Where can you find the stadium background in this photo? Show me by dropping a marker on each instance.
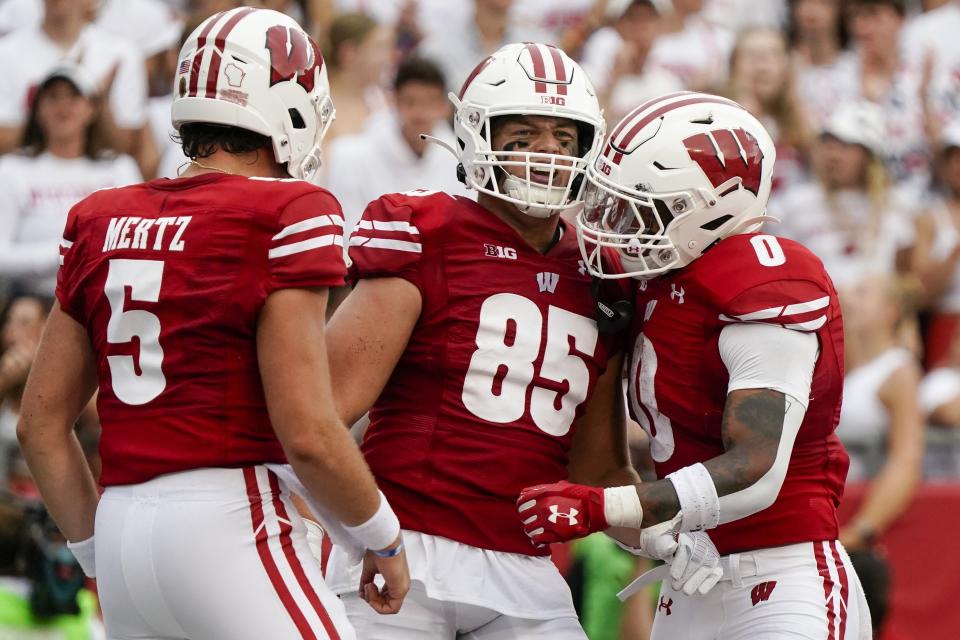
(861, 96)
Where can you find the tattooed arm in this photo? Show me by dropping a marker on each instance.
(759, 426)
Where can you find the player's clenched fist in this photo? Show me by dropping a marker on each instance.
(564, 511)
(561, 511)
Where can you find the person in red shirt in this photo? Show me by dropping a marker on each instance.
(195, 308)
(471, 336)
(736, 374)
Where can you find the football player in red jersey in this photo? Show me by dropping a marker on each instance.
(736, 374)
(196, 307)
(471, 337)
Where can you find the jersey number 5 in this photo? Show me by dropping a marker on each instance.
(506, 360)
(136, 379)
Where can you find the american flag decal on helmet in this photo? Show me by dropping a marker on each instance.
(549, 69)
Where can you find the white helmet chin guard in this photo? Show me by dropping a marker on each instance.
(256, 69)
(535, 80)
(677, 175)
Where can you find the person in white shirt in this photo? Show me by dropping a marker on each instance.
(826, 69)
(66, 34)
(616, 58)
(478, 34)
(881, 424)
(893, 82)
(390, 156)
(62, 161)
(691, 47)
(930, 38)
(848, 216)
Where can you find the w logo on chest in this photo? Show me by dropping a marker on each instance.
(547, 281)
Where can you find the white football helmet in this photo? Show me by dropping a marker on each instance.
(257, 69)
(526, 79)
(678, 174)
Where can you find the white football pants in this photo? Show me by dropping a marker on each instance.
(210, 554)
(422, 617)
(806, 591)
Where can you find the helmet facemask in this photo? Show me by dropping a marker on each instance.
(636, 224)
(546, 183)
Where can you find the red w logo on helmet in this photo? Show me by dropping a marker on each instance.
(292, 54)
(726, 154)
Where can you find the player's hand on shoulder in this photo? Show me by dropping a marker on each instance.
(391, 563)
(561, 511)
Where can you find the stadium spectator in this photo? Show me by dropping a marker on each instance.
(940, 390)
(393, 156)
(616, 58)
(930, 39)
(849, 216)
(881, 423)
(66, 33)
(358, 60)
(761, 79)
(22, 325)
(826, 70)
(936, 254)
(692, 48)
(895, 84)
(478, 34)
(63, 159)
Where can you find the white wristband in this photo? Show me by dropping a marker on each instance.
(381, 530)
(84, 552)
(622, 508)
(699, 502)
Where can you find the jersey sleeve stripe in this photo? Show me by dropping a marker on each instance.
(803, 307)
(66, 244)
(810, 325)
(309, 224)
(60, 260)
(383, 243)
(390, 225)
(762, 314)
(305, 245)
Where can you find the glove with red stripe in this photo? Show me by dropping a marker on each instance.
(561, 511)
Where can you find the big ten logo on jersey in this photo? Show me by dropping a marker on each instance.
(157, 234)
(493, 251)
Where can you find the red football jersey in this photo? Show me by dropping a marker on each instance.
(500, 362)
(678, 382)
(168, 278)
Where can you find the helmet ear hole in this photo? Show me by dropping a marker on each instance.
(296, 119)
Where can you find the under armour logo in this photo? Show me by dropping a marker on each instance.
(677, 294)
(582, 268)
(547, 281)
(642, 285)
(761, 592)
(665, 604)
(556, 514)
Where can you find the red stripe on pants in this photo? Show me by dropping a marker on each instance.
(827, 586)
(844, 587)
(263, 549)
(294, 561)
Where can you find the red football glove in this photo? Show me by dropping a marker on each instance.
(561, 511)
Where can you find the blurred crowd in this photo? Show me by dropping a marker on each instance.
(861, 96)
